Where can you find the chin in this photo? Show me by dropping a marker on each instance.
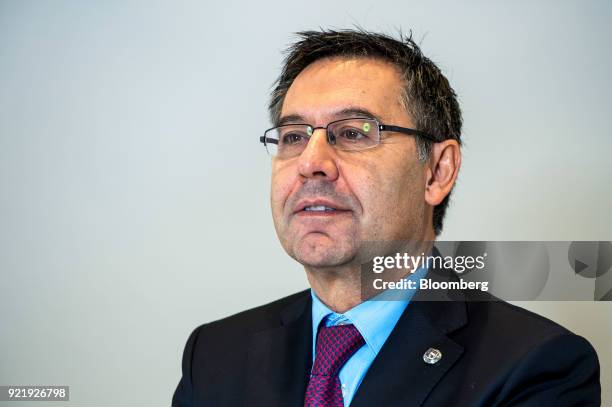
(328, 254)
(324, 261)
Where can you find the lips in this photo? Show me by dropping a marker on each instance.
(318, 206)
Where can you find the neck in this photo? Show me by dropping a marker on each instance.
(340, 287)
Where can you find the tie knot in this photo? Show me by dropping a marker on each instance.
(335, 345)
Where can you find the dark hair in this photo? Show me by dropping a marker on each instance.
(427, 95)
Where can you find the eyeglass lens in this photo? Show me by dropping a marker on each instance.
(349, 134)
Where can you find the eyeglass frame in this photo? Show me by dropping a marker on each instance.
(380, 126)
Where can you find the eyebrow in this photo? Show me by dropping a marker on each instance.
(340, 114)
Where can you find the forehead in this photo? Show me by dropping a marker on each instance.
(331, 85)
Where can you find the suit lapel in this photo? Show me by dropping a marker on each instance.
(399, 376)
(280, 359)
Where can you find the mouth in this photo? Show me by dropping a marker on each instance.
(319, 208)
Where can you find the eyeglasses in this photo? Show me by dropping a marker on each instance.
(353, 134)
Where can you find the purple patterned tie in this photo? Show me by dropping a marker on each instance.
(335, 345)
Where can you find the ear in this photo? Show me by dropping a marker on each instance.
(443, 167)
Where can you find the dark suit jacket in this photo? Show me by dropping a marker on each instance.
(493, 354)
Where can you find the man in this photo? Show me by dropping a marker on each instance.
(366, 148)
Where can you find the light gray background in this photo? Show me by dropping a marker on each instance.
(134, 193)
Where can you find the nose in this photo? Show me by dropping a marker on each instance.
(318, 160)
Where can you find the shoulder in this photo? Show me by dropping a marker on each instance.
(504, 323)
(253, 320)
(489, 312)
(537, 358)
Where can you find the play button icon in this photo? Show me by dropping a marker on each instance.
(590, 259)
(579, 266)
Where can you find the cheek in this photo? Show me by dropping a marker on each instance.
(280, 188)
(389, 192)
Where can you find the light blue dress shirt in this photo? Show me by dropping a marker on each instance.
(374, 319)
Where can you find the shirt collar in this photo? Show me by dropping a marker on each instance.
(374, 319)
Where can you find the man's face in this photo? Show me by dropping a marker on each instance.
(378, 193)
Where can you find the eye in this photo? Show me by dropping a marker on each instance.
(352, 134)
(292, 138)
